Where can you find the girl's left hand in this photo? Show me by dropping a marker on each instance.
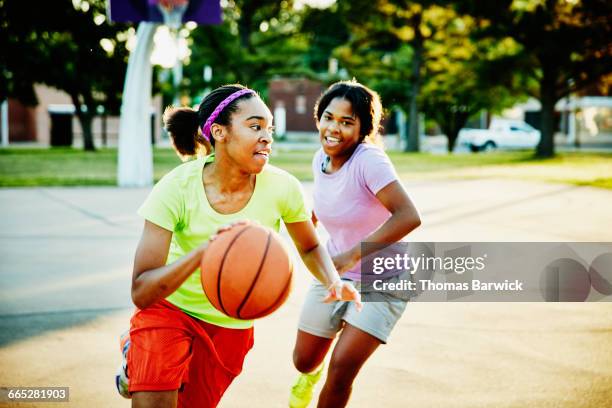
(340, 290)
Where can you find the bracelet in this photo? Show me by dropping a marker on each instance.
(334, 283)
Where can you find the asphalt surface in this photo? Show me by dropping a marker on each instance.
(65, 270)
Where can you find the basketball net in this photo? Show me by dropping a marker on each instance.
(173, 11)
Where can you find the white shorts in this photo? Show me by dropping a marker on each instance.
(325, 319)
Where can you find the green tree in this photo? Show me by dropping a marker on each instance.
(568, 44)
(68, 45)
(257, 40)
(461, 75)
(325, 30)
(392, 36)
(451, 77)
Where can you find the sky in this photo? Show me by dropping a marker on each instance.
(314, 3)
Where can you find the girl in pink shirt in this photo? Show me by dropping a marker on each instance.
(357, 197)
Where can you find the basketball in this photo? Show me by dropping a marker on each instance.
(246, 271)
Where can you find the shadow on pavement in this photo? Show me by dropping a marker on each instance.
(17, 327)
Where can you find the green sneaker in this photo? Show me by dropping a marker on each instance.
(301, 392)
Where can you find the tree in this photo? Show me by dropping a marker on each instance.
(395, 25)
(409, 41)
(68, 45)
(567, 42)
(451, 77)
(461, 75)
(325, 30)
(257, 40)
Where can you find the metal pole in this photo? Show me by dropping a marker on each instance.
(177, 75)
(135, 156)
(173, 18)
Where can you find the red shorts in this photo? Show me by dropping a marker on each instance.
(171, 350)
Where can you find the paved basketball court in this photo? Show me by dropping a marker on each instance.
(64, 298)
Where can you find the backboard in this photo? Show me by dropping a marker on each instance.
(135, 11)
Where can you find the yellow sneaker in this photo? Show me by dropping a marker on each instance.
(301, 392)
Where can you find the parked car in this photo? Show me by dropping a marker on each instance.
(502, 134)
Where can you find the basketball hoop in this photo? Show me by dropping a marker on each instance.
(172, 11)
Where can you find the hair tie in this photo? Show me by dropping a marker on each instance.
(213, 116)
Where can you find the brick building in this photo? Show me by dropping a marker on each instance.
(298, 97)
(33, 124)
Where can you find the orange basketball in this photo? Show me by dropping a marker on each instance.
(246, 271)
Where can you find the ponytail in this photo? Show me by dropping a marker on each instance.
(183, 125)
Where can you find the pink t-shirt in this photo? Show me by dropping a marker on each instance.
(345, 202)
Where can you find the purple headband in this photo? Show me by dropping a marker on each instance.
(219, 109)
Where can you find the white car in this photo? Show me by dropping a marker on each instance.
(502, 133)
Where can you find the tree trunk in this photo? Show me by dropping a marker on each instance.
(546, 147)
(244, 32)
(412, 142)
(451, 125)
(104, 133)
(451, 135)
(85, 119)
(86, 123)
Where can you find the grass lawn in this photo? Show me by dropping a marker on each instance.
(589, 169)
(584, 169)
(71, 167)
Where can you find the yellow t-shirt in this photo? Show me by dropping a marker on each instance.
(178, 203)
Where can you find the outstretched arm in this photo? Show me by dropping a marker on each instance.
(319, 263)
